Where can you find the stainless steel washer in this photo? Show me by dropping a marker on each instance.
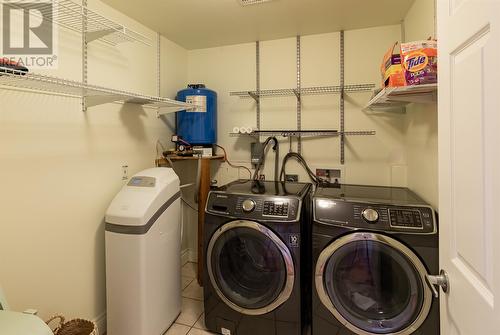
(373, 250)
(254, 241)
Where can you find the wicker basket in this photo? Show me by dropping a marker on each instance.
(74, 327)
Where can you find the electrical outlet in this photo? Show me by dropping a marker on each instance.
(332, 175)
(262, 177)
(292, 177)
(124, 172)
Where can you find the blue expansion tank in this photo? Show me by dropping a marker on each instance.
(198, 127)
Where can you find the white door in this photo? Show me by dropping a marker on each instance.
(469, 159)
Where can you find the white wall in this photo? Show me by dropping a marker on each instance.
(421, 122)
(62, 167)
(378, 160)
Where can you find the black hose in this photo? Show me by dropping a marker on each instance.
(303, 163)
(276, 149)
(263, 157)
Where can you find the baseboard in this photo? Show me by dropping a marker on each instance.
(101, 323)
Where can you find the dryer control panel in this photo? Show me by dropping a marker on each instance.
(254, 207)
(410, 219)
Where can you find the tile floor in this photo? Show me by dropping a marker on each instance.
(191, 320)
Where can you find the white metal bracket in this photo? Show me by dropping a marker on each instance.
(95, 35)
(84, 52)
(169, 110)
(92, 101)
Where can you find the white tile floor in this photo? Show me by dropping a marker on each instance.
(191, 320)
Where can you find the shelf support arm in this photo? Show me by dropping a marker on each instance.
(169, 110)
(95, 35)
(297, 94)
(254, 96)
(91, 101)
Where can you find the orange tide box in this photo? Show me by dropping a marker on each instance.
(391, 69)
(420, 62)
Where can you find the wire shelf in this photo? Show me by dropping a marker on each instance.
(304, 133)
(94, 95)
(318, 90)
(70, 15)
(398, 97)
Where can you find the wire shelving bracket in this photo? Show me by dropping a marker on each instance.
(298, 93)
(69, 14)
(393, 98)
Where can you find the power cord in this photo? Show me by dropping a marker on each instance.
(276, 149)
(233, 165)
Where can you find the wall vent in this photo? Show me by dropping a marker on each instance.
(252, 2)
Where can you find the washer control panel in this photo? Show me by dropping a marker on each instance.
(254, 207)
(412, 219)
(406, 218)
(275, 208)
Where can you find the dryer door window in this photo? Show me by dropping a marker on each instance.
(250, 268)
(375, 284)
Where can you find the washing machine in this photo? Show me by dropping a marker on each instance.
(375, 250)
(255, 232)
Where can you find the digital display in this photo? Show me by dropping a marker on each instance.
(275, 208)
(405, 218)
(142, 182)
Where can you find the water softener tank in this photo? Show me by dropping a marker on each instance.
(198, 126)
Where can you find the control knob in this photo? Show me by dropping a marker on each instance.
(248, 205)
(370, 215)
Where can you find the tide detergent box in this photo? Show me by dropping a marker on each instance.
(420, 62)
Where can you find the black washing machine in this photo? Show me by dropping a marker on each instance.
(374, 249)
(254, 235)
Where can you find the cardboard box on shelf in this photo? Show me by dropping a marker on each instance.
(420, 62)
(392, 69)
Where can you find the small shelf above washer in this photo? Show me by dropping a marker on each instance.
(318, 90)
(398, 97)
(303, 133)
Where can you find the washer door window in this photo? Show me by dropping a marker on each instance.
(250, 267)
(373, 284)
